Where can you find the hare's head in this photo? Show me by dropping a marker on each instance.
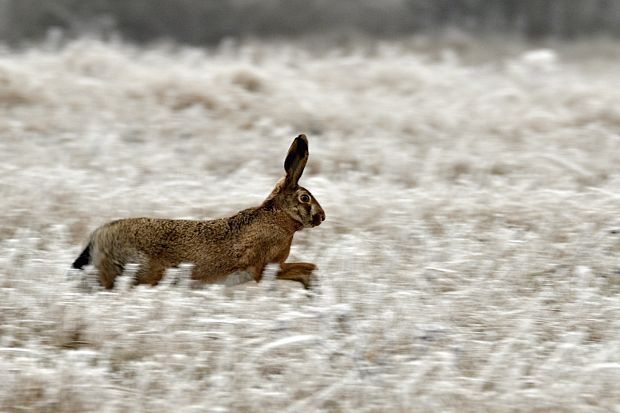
(297, 201)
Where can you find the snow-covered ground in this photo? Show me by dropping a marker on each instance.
(469, 260)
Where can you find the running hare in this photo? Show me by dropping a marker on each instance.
(247, 241)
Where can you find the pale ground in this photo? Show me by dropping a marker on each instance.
(469, 261)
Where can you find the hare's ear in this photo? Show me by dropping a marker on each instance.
(295, 161)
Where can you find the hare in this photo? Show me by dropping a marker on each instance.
(246, 241)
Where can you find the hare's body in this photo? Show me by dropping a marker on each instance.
(246, 241)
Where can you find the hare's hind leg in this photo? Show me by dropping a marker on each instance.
(150, 272)
(296, 271)
(107, 270)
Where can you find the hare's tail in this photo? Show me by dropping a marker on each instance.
(83, 259)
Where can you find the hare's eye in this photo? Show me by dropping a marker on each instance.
(305, 198)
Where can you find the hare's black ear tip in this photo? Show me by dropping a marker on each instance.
(302, 142)
(302, 137)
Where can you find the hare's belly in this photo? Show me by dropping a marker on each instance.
(236, 278)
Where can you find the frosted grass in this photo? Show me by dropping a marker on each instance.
(469, 260)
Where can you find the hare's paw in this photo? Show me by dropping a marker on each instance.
(305, 266)
(297, 271)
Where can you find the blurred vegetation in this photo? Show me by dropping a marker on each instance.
(209, 21)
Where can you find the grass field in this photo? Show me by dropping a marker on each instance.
(468, 263)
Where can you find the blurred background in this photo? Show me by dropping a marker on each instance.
(201, 22)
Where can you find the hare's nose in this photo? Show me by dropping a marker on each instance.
(322, 215)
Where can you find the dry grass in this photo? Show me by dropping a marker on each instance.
(469, 261)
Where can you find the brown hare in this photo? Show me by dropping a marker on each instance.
(246, 241)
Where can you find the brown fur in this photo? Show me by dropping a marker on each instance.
(246, 241)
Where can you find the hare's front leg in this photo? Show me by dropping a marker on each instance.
(296, 271)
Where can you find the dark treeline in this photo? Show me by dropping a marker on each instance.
(208, 21)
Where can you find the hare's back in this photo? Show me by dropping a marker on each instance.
(158, 236)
